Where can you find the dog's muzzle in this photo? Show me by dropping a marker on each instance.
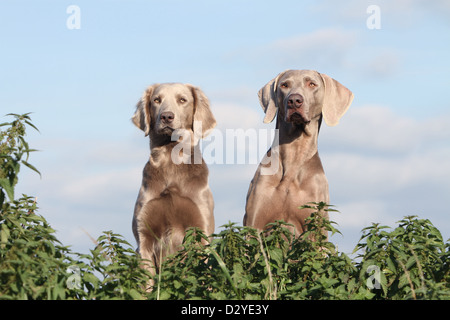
(295, 110)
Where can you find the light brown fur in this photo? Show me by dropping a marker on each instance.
(299, 99)
(174, 194)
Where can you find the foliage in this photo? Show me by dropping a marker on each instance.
(12, 149)
(408, 262)
(413, 258)
(411, 262)
(31, 258)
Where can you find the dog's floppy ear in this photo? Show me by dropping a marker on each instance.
(336, 100)
(204, 120)
(267, 99)
(142, 117)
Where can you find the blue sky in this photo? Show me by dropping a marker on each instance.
(388, 157)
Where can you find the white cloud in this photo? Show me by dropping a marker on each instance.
(361, 214)
(333, 50)
(382, 166)
(96, 188)
(408, 12)
(86, 185)
(374, 128)
(320, 49)
(382, 145)
(385, 63)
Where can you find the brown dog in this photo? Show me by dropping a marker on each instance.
(300, 99)
(174, 194)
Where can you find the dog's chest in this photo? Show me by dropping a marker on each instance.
(295, 188)
(179, 178)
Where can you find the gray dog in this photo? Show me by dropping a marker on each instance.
(299, 99)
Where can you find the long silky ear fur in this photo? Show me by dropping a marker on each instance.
(142, 116)
(204, 120)
(336, 101)
(267, 99)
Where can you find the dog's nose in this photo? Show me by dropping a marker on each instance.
(167, 117)
(295, 100)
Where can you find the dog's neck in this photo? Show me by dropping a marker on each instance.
(297, 144)
(164, 151)
(160, 140)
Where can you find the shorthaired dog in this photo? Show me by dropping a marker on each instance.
(299, 99)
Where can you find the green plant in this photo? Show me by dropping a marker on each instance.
(112, 270)
(411, 262)
(32, 261)
(12, 149)
(413, 259)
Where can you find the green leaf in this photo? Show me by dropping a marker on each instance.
(4, 235)
(136, 295)
(89, 277)
(391, 264)
(403, 281)
(277, 255)
(164, 295)
(32, 125)
(411, 261)
(224, 270)
(58, 292)
(6, 185)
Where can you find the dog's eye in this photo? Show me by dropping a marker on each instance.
(157, 100)
(183, 100)
(284, 85)
(312, 84)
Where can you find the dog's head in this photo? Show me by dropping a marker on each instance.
(299, 96)
(167, 107)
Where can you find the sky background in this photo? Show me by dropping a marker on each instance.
(387, 158)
